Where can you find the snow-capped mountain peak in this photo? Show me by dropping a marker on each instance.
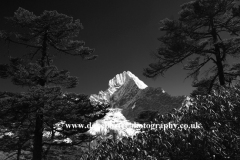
(123, 78)
(139, 83)
(131, 97)
(115, 84)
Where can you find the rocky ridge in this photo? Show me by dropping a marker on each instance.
(124, 80)
(133, 96)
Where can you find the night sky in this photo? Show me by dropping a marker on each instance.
(122, 32)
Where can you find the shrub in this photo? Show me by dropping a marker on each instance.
(218, 138)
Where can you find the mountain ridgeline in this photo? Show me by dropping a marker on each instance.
(137, 101)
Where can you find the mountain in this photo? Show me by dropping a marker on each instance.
(134, 97)
(130, 100)
(120, 85)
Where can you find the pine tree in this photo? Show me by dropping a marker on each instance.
(198, 35)
(44, 104)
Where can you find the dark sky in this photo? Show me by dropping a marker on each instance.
(122, 32)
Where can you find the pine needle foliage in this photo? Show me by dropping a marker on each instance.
(28, 115)
(198, 36)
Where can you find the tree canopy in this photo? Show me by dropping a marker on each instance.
(28, 115)
(199, 36)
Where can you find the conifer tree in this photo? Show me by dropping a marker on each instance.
(198, 35)
(29, 114)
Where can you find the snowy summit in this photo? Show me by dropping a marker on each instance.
(115, 84)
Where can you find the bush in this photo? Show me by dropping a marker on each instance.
(218, 138)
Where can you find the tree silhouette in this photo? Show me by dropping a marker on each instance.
(44, 104)
(198, 35)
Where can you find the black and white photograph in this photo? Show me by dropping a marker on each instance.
(120, 80)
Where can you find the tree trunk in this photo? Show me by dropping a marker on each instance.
(218, 55)
(219, 66)
(38, 133)
(19, 151)
(37, 148)
(220, 72)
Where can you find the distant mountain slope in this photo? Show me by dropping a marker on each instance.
(133, 96)
(151, 99)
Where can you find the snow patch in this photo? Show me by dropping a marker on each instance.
(138, 82)
(114, 84)
(114, 120)
(134, 106)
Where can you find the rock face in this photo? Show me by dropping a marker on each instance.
(122, 83)
(151, 99)
(133, 96)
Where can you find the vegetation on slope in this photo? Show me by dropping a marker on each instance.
(218, 138)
